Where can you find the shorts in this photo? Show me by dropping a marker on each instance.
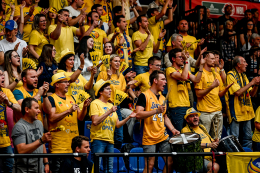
(162, 147)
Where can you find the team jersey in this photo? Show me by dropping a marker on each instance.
(61, 141)
(154, 130)
(4, 133)
(106, 129)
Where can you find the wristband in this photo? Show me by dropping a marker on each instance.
(159, 39)
(80, 69)
(221, 69)
(186, 62)
(201, 71)
(173, 129)
(41, 141)
(11, 105)
(16, 80)
(44, 96)
(46, 163)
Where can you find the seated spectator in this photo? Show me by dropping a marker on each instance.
(11, 41)
(12, 71)
(253, 63)
(102, 134)
(151, 110)
(207, 143)
(79, 144)
(48, 64)
(226, 16)
(253, 41)
(29, 138)
(7, 100)
(156, 25)
(144, 40)
(64, 109)
(242, 24)
(248, 30)
(29, 89)
(37, 38)
(30, 12)
(61, 35)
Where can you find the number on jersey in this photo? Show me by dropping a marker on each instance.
(159, 116)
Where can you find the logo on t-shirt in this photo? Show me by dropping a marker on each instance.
(76, 170)
(60, 103)
(94, 34)
(107, 109)
(35, 134)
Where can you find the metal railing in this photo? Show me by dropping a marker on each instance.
(138, 155)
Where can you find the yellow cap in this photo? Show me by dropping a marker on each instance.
(191, 111)
(64, 53)
(99, 84)
(57, 77)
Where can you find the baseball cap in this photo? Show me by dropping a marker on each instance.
(11, 25)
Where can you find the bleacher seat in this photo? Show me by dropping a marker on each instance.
(133, 160)
(119, 163)
(87, 129)
(247, 149)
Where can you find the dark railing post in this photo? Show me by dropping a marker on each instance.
(217, 35)
(238, 43)
(96, 161)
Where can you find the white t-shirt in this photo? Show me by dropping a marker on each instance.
(73, 13)
(6, 45)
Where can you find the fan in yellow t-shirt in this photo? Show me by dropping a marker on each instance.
(58, 4)
(99, 36)
(256, 135)
(207, 143)
(104, 121)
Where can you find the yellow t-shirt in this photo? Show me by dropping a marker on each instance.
(98, 35)
(4, 133)
(143, 81)
(116, 83)
(211, 102)
(204, 137)
(58, 4)
(179, 96)
(26, 94)
(237, 111)
(141, 58)
(61, 141)
(27, 24)
(187, 39)
(256, 135)
(124, 46)
(39, 40)
(154, 130)
(65, 40)
(11, 2)
(155, 27)
(88, 4)
(105, 130)
(113, 28)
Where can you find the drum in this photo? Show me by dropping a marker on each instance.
(230, 144)
(187, 142)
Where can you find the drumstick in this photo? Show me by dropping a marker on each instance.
(99, 64)
(167, 96)
(217, 131)
(214, 129)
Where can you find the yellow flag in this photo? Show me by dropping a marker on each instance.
(243, 162)
(106, 61)
(95, 57)
(28, 63)
(81, 98)
(123, 66)
(53, 10)
(119, 96)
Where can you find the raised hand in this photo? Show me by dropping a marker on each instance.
(121, 41)
(73, 108)
(87, 102)
(82, 59)
(162, 33)
(25, 51)
(221, 65)
(161, 109)
(201, 42)
(39, 71)
(46, 137)
(215, 83)
(16, 46)
(113, 109)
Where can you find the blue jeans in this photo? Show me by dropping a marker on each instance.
(141, 69)
(118, 135)
(176, 116)
(8, 162)
(256, 146)
(242, 131)
(98, 146)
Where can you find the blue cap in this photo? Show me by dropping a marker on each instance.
(11, 25)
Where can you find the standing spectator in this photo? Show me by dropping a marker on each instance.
(179, 78)
(7, 99)
(61, 35)
(48, 64)
(226, 16)
(99, 36)
(79, 144)
(241, 109)
(102, 24)
(242, 24)
(29, 12)
(248, 30)
(104, 121)
(156, 24)
(208, 91)
(109, 48)
(144, 40)
(29, 138)
(122, 41)
(64, 109)
(75, 14)
(37, 38)
(156, 4)
(5, 16)
(59, 4)
(151, 110)
(11, 40)
(51, 17)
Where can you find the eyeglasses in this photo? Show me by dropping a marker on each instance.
(16, 56)
(54, 50)
(63, 82)
(43, 21)
(250, 24)
(4, 3)
(179, 57)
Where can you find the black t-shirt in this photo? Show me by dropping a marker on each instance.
(71, 165)
(222, 19)
(142, 100)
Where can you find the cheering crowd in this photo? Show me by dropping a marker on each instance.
(104, 62)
